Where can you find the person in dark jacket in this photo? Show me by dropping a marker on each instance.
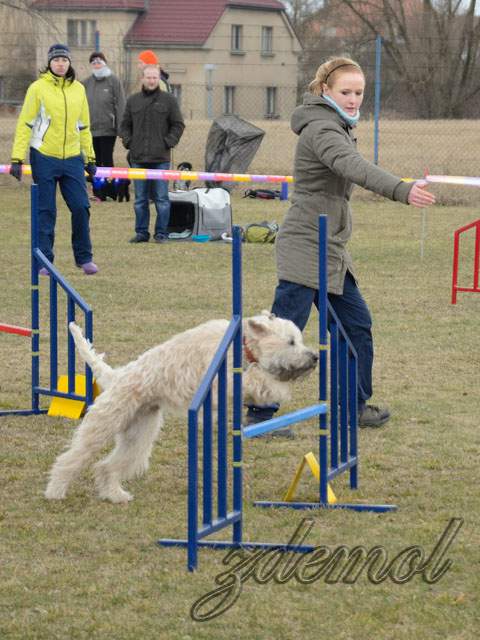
(106, 101)
(327, 165)
(152, 125)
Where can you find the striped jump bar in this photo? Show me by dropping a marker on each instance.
(170, 174)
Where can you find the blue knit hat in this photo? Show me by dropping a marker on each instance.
(59, 51)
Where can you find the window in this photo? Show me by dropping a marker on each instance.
(81, 33)
(271, 106)
(2, 88)
(229, 106)
(267, 40)
(236, 43)
(177, 92)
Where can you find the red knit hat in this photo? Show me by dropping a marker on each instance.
(148, 57)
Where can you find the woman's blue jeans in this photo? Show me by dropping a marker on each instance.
(294, 302)
(70, 175)
(157, 190)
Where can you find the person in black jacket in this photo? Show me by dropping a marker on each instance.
(152, 124)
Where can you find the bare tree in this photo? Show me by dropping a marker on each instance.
(431, 49)
(20, 24)
(298, 10)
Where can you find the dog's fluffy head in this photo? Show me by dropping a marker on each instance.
(277, 345)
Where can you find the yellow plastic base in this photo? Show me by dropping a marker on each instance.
(66, 408)
(310, 461)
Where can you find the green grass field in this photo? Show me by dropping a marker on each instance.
(85, 569)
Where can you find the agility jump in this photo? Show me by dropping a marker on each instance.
(74, 301)
(337, 442)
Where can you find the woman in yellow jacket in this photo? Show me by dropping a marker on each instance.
(55, 125)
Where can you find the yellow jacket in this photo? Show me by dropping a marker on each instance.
(54, 120)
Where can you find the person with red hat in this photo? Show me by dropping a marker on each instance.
(149, 58)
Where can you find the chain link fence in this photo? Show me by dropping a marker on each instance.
(406, 147)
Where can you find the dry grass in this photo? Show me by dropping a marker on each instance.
(82, 569)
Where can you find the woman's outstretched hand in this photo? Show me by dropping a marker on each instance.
(419, 196)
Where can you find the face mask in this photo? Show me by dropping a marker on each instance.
(350, 120)
(103, 72)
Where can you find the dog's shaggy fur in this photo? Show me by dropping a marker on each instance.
(164, 379)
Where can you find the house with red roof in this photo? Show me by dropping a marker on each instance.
(222, 56)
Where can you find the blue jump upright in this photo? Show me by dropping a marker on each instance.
(74, 301)
(338, 451)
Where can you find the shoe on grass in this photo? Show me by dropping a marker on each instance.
(160, 239)
(138, 237)
(373, 416)
(89, 268)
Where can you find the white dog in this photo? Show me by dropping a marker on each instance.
(164, 379)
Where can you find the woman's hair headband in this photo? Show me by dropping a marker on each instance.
(344, 64)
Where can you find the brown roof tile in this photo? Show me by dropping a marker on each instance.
(187, 22)
(126, 5)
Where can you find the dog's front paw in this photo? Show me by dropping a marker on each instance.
(119, 496)
(55, 491)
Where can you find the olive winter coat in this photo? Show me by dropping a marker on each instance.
(327, 165)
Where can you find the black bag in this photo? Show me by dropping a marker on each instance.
(264, 194)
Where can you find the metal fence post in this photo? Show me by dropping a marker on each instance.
(378, 89)
(209, 86)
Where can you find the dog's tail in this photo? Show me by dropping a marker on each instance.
(102, 372)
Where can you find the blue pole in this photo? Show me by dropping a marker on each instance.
(222, 475)
(323, 346)
(53, 334)
(207, 459)
(378, 88)
(284, 191)
(237, 382)
(353, 412)
(192, 503)
(35, 299)
(334, 394)
(71, 346)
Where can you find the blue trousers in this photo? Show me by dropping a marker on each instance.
(157, 190)
(47, 172)
(294, 302)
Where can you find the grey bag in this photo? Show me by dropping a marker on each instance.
(200, 212)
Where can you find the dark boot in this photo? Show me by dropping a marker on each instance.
(260, 413)
(372, 416)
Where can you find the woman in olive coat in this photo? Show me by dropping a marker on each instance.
(327, 165)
